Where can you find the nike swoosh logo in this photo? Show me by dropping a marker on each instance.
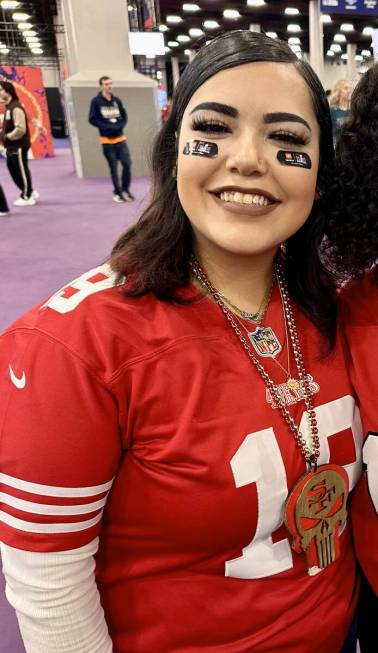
(19, 382)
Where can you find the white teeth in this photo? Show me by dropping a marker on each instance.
(244, 198)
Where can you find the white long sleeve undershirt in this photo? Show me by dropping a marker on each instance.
(56, 600)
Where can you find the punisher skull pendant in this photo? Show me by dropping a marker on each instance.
(315, 514)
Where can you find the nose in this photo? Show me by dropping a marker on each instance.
(247, 157)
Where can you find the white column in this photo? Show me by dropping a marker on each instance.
(316, 37)
(97, 44)
(351, 62)
(255, 27)
(175, 71)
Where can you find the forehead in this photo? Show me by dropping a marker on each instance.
(258, 87)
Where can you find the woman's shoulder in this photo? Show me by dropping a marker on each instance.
(359, 300)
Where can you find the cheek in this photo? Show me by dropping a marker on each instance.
(299, 183)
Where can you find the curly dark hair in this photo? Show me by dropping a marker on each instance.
(156, 251)
(352, 199)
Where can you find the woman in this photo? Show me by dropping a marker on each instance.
(339, 102)
(16, 140)
(199, 391)
(353, 239)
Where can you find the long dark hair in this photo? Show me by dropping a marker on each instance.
(157, 249)
(10, 89)
(353, 196)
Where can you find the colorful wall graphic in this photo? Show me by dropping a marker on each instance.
(28, 83)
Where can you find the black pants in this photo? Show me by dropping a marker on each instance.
(17, 162)
(114, 153)
(4, 208)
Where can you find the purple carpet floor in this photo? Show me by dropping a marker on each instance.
(70, 230)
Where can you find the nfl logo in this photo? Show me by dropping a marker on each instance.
(265, 342)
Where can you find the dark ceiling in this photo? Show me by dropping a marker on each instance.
(41, 14)
(271, 17)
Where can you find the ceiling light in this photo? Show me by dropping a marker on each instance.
(3, 46)
(326, 18)
(23, 26)
(347, 27)
(294, 40)
(367, 31)
(255, 3)
(291, 11)
(211, 24)
(174, 20)
(34, 45)
(359, 57)
(4, 50)
(173, 44)
(272, 35)
(36, 50)
(296, 48)
(167, 49)
(9, 4)
(163, 28)
(344, 56)
(130, 8)
(189, 6)
(339, 38)
(366, 53)
(32, 39)
(293, 27)
(209, 41)
(194, 32)
(20, 16)
(335, 47)
(330, 53)
(188, 52)
(29, 32)
(183, 38)
(231, 13)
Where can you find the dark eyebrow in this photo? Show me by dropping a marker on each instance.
(217, 106)
(285, 117)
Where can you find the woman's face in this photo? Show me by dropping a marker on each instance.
(345, 92)
(259, 187)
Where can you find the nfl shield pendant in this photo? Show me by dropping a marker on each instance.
(265, 342)
(315, 514)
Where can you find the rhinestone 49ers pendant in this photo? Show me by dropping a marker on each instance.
(315, 514)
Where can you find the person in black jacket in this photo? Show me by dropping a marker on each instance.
(108, 114)
(16, 140)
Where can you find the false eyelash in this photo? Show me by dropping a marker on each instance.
(209, 126)
(289, 137)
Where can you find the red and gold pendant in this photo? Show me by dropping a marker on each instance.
(315, 514)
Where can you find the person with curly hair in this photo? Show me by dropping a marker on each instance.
(179, 433)
(353, 247)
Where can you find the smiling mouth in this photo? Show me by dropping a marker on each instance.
(243, 198)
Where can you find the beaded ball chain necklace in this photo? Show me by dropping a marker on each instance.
(325, 487)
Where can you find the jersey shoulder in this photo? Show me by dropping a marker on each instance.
(359, 301)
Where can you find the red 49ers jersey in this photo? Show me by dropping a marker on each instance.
(145, 423)
(360, 317)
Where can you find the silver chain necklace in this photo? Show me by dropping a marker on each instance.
(310, 454)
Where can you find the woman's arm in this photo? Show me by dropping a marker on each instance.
(56, 600)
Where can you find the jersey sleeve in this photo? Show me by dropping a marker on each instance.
(60, 444)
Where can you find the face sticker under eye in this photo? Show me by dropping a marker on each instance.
(297, 159)
(201, 148)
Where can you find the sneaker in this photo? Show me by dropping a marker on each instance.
(35, 195)
(2, 213)
(128, 196)
(118, 198)
(24, 202)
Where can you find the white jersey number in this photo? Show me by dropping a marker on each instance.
(69, 297)
(258, 460)
(370, 458)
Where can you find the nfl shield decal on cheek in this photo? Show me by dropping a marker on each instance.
(296, 159)
(201, 148)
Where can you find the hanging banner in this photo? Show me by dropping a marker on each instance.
(28, 83)
(351, 7)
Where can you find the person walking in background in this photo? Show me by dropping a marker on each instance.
(339, 102)
(108, 114)
(16, 140)
(4, 208)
